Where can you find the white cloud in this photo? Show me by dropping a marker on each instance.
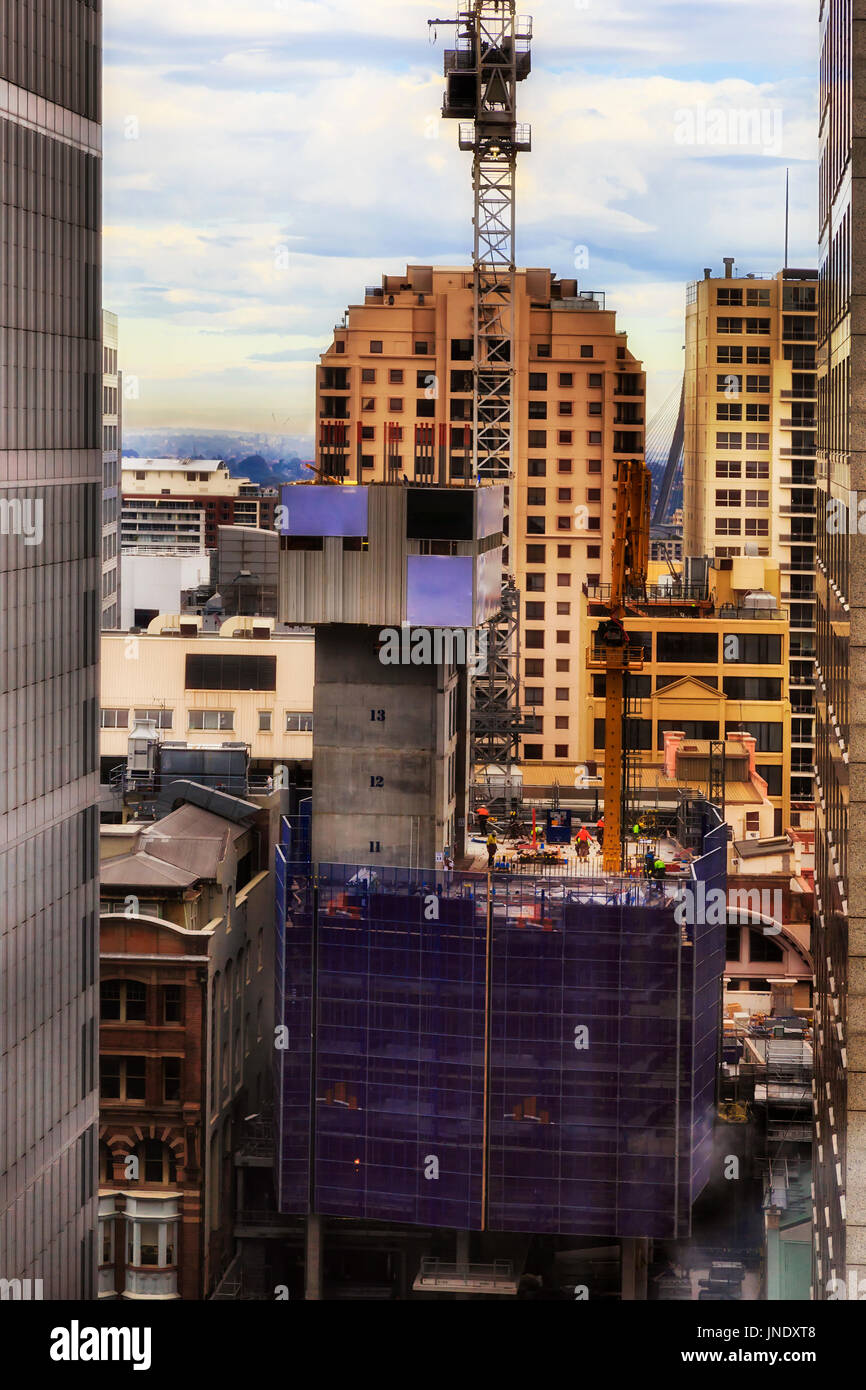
(283, 161)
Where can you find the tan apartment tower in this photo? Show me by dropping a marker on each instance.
(394, 400)
(749, 456)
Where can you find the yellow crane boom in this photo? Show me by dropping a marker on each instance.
(611, 652)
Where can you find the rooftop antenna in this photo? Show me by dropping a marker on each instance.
(787, 175)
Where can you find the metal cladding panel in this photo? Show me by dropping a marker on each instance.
(440, 591)
(591, 1036)
(400, 1050)
(316, 509)
(339, 585)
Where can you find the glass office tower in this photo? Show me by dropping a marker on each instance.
(50, 494)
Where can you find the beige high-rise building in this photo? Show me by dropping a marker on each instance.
(394, 399)
(749, 455)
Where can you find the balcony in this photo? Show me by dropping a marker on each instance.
(799, 395)
(151, 1282)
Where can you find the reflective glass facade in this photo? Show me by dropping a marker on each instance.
(539, 1058)
(838, 938)
(50, 493)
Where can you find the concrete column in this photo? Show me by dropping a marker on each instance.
(635, 1262)
(462, 1258)
(313, 1266)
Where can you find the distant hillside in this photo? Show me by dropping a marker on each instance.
(264, 459)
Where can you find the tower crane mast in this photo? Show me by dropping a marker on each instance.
(490, 56)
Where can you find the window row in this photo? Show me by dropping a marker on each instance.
(209, 720)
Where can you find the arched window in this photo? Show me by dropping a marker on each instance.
(123, 1001)
(158, 1163)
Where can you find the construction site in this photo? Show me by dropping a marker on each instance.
(505, 1062)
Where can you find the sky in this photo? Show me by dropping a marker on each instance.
(266, 160)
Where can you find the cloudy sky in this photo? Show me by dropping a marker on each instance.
(265, 160)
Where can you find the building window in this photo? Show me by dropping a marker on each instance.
(151, 1245)
(563, 465)
(752, 688)
(122, 1078)
(422, 349)
(376, 345)
(265, 721)
(368, 375)
(586, 350)
(533, 752)
(162, 718)
(564, 437)
(538, 381)
(299, 723)
(123, 1001)
(114, 719)
(395, 376)
(212, 720)
(680, 647)
(171, 1078)
(171, 1004)
(566, 378)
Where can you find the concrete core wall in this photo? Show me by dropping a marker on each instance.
(370, 722)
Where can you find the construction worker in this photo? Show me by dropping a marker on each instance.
(600, 831)
(491, 849)
(483, 818)
(660, 869)
(581, 840)
(649, 862)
